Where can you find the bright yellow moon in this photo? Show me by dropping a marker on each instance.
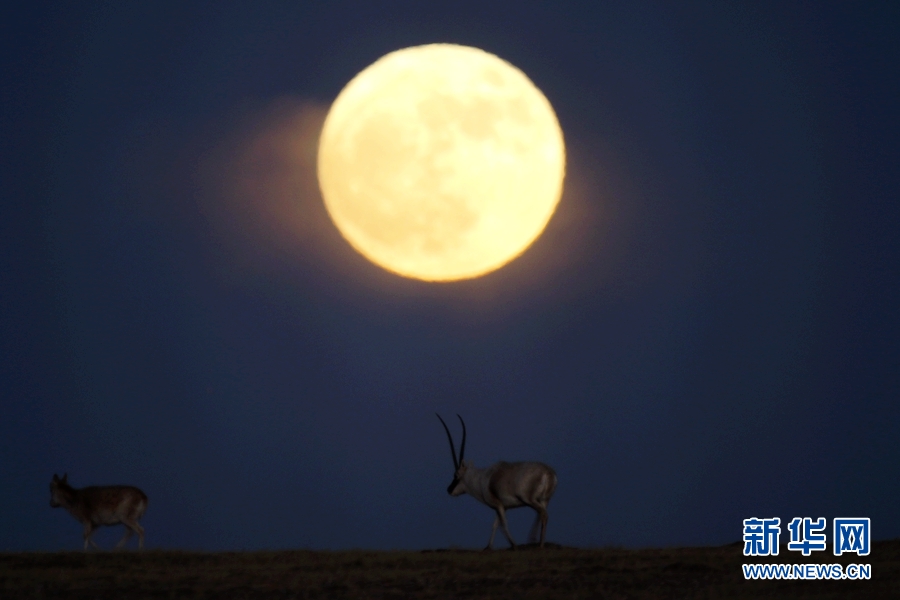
(441, 162)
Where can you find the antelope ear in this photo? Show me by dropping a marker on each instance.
(65, 477)
(55, 478)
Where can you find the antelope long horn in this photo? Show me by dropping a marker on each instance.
(450, 437)
(462, 447)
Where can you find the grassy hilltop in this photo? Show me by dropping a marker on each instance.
(554, 572)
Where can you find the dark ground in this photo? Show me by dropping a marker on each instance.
(554, 572)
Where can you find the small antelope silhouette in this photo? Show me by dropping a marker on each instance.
(101, 505)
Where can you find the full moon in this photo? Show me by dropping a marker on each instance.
(441, 162)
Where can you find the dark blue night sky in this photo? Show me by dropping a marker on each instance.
(707, 331)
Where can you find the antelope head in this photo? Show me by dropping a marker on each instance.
(56, 495)
(456, 487)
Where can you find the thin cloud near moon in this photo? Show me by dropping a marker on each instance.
(258, 188)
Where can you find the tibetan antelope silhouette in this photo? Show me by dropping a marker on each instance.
(101, 505)
(503, 486)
